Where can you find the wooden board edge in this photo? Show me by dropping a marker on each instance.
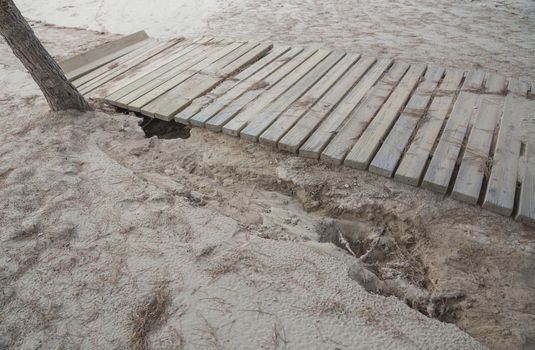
(78, 61)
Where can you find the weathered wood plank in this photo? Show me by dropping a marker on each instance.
(287, 120)
(388, 156)
(240, 120)
(361, 154)
(239, 59)
(346, 134)
(283, 68)
(116, 65)
(217, 112)
(320, 137)
(179, 97)
(440, 170)
(386, 159)
(451, 81)
(518, 87)
(140, 47)
(340, 100)
(106, 77)
(141, 69)
(412, 166)
(476, 162)
(263, 120)
(500, 194)
(474, 80)
(152, 80)
(495, 84)
(79, 65)
(168, 84)
(526, 207)
(391, 150)
(202, 102)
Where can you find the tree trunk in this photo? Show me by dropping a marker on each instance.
(58, 90)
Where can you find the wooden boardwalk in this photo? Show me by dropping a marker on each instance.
(469, 134)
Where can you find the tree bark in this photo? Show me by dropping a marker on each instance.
(58, 90)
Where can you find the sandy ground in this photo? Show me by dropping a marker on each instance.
(109, 238)
(233, 246)
(497, 35)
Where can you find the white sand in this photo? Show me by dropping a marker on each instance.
(162, 18)
(494, 34)
(94, 216)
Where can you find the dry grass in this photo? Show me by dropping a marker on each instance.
(328, 306)
(210, 333)
(278, 337)
(146, 316)
(233, 260)
(205, 251)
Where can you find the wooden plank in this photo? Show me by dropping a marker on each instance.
(340, 100)
(526, 207)
(234, 126)
(178, 98)
(500, 194)
(226, 107)
(142, 47)
(330, 123)
(432, 77)
(118, 68)
(475, 164)
(451, 81)
(495, 84)
(440, 170)
(388, 156)
(263, 120)
(106, 77)
(200, 103)
(79, 65)
(518, 87)
(412, 166)
(345, 134)
(239, 60)
(142, 69)
(476, 158)
(152, 80)
(326, 94)
(130, 86)
(361, 154)
(474, 80)
(168, 84)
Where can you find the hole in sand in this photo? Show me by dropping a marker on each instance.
(387, 262)
(162, 129)
(159, 128)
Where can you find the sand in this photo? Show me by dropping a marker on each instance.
(494, 34)
(219, 243)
